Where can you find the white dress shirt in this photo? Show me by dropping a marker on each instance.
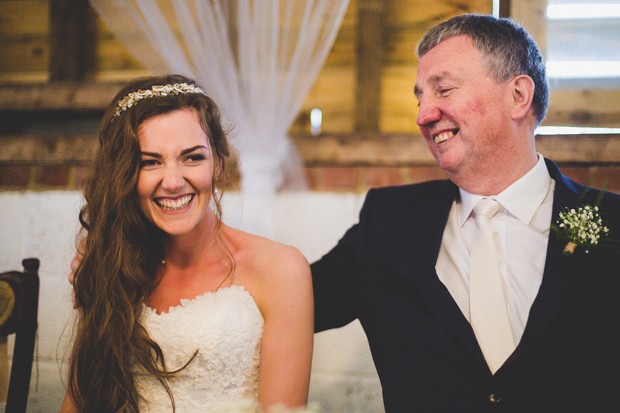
(521, 234)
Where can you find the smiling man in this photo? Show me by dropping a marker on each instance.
(475, 125)
(466, 296)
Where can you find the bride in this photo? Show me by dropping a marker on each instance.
(176, 310)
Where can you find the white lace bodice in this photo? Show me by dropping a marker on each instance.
(226, 327)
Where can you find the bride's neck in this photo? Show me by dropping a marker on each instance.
(188, 249)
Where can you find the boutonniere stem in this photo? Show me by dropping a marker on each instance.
(569, 249)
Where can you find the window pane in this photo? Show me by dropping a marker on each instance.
(583, 52)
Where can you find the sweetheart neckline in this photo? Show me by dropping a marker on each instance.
(187, 301)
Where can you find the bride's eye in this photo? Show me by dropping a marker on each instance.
(148, 162)
(197, 157)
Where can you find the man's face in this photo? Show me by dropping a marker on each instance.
(464, 114)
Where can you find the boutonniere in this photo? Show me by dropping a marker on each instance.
(581, 227)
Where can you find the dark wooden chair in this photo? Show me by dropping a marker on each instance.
(19, 301)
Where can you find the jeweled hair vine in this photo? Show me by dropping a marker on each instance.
(156, 90)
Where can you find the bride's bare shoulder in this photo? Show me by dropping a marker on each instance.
(277, 275)
(262, 256)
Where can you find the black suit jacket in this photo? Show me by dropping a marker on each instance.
(427, 357)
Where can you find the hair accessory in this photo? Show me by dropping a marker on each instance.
(156, 90)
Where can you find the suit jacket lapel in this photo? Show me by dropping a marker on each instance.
(438, 298)
(558, 271)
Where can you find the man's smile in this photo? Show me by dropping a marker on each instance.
(444, 136)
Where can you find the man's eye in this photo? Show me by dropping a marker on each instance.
(444, 91)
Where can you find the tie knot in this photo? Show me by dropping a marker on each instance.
(487, 207)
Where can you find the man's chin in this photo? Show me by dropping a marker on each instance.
(448, 164)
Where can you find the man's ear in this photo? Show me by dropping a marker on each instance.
(522, 95)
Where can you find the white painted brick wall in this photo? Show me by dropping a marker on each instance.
(44, 225)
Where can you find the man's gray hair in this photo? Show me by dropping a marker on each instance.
(507, 51)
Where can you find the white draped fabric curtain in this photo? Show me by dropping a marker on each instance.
(257, 59)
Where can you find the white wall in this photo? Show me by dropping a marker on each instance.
(44, 225)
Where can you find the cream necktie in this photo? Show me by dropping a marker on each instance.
(488, 313)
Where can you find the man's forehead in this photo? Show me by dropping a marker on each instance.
(453, 44)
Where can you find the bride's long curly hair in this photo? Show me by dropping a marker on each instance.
(122, 251)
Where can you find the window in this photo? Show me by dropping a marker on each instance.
(583, 44)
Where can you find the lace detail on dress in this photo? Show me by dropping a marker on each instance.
(226, 327)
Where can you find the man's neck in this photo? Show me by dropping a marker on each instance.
(488, 183)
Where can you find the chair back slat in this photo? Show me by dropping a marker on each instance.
(22, 322)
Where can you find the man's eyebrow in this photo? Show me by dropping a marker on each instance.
(441, 76)
(433, 80)
(417, 91)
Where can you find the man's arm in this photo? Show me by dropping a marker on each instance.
(335, 277)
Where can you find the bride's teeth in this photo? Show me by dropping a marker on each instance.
(174, 204)
(443, 137)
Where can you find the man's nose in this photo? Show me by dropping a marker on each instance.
(428, 114)
(173, 178)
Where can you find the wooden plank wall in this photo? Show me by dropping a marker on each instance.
(391, 29)
(365, 92)
(24, 51)
(401, 24)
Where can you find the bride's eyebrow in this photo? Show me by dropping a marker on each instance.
(151, 154)
(192, 149)
(184, 152)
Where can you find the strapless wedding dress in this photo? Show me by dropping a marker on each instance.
(226, 327)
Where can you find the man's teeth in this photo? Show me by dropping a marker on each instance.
(174, 204)
(443, 137)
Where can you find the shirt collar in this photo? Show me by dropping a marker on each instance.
(521, 199)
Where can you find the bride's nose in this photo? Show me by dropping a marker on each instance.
(173, 178)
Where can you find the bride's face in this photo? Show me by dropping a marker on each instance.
(176, 171)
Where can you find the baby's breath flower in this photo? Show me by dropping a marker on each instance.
(580, 227)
